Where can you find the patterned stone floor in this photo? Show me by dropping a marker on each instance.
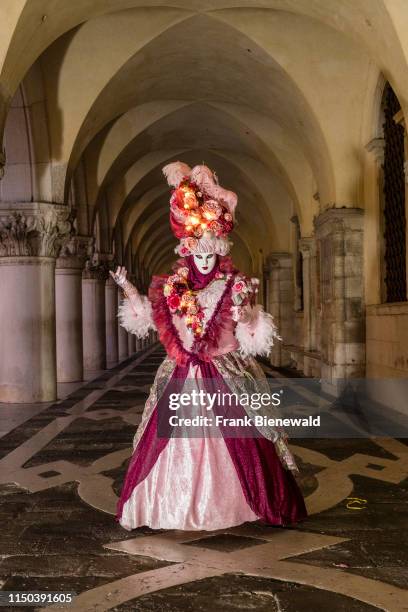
(61, 472)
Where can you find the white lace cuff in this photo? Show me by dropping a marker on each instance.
(256, 332)
(136, 315)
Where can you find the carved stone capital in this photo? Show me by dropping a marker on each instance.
(277, 260)
(338, 220)
(76, 251)
(35, 229)
(307, 246)
(98, 266)
(99, 272)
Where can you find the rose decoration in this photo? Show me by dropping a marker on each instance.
(188, 298)
(182, 300)
(238, 287)
(183, 272)
(191, 243)
(173, 302)
(193, 214)
(211, 210)
(215, 227)
(167, 290)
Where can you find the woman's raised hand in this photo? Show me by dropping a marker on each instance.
(119, 276)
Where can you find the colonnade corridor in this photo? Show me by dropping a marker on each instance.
(62, 470)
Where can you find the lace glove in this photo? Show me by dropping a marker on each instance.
(127, 287)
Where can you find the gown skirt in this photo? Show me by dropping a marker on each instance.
(207, 482)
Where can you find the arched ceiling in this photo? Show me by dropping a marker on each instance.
(270, 93)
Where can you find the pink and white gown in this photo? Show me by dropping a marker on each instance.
(207, 482)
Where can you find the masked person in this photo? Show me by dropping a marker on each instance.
(212, 329)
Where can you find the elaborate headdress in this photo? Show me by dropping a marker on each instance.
(201, 212)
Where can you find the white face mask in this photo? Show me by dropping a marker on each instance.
(205, 262)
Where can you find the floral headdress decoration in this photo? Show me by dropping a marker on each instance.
(202, 213)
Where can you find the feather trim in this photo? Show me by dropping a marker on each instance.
(256, 337)
(138, 320)
(175, 172)
(206, 180)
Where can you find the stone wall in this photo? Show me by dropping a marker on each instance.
(387, 354)
(387, 340)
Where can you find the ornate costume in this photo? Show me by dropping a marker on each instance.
(211, 329)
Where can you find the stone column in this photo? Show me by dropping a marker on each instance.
(308, 249)
(111, 309)
(131, 343)
(280, 302)
(68, 302)
(122, 334)
(311, 357)
(30, 240)
(93, 316)
(297, 265)
(339, 232)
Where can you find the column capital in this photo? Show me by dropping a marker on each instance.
(74, 253)
(338, 219)
(97, 266)
(277, 260)
(99, 272)
(376, 148)
(36, 229)
(307, 246)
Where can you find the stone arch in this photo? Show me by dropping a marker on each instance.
(27, 175)
(103, 102)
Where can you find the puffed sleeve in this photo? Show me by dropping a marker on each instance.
(255, 330)
(135, 312)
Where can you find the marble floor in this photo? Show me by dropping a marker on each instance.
(62, 466)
